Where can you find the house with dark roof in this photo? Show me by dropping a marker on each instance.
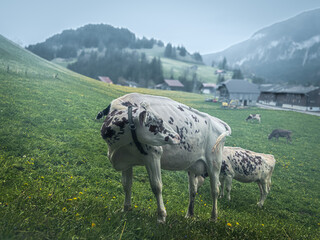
(238, 89)
(170, 84)
(292, 97)
(105, 79)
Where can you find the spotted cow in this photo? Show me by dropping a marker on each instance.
(252, 117)
(163, 134)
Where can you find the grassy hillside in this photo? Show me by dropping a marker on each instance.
(57, 183)
(176, 67)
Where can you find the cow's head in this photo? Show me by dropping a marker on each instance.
(249, 117)
(153, 130)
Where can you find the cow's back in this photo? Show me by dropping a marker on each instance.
(247, 165)
(198, 131)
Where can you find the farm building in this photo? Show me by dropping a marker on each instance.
(169, 84)
(105, 79)
(295, 97)
(238, 89)
(208, 88)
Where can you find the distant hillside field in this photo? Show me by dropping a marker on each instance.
(56, 181)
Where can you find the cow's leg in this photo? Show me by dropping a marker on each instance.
(213, 168)
(153, 167)
(193, 185)
(127, 184)
(288, 139)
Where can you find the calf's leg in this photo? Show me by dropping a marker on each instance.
(213, 168)
(222, 182)
(228, 181)
(263, 185)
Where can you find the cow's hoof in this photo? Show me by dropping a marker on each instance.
(127, 208)
(213, 219)
(260, 205)
(188, 215)
(161, 220)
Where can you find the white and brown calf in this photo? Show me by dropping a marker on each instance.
(163, 134)
(246, 166)
(252, 117)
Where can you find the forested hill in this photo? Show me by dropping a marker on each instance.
(103, 50)
(69, 42)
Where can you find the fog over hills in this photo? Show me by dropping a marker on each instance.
(287, 51)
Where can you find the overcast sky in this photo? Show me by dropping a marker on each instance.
(204, 26)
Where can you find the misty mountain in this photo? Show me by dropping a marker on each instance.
(287, 51)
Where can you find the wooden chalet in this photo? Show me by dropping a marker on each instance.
(294, 97)
(238, 89)
(169, 84)
(208, 88)
(105, 79)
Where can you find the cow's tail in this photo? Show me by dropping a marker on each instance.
(104, 112)
(220, 138)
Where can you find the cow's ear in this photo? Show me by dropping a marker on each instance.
(144, 105)
(142, 117)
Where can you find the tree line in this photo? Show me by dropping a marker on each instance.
(120, 65)
(100, 36)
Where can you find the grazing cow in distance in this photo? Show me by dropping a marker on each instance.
(280, 133)
(251, 117)
(245, 166)
(160, 133)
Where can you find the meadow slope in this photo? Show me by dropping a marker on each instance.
(57, 183)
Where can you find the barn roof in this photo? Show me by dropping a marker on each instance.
(240, 86)
(105, 79)
(173, 83)
(287, 89)
(208, 85)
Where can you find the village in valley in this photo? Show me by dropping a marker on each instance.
(239, 93)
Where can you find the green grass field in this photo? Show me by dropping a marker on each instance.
(57, 183)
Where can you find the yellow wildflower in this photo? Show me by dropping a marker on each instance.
(93, 224)
(229, 224)
(80, 192)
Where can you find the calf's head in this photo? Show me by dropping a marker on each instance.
(153, 130)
